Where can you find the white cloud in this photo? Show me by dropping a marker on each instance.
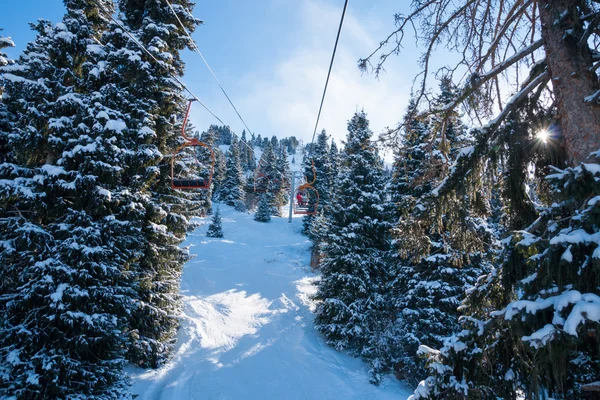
(284, 100)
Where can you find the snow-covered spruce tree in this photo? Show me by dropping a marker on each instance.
(251, 157)
(4, 43)
(320, 156)
(154, 321)
(232, 190)
(268, 171)
(334, 157)
(440, 244)
(215, 228)
(543, 340)
(502, 360)
(351, 302)
(275, 144)
(66, 291)
(219, 173)
(4, 116)
(263, 212)
(282, 195)
(243, 149)
(319, 230)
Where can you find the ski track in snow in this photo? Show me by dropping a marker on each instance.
(247, 331)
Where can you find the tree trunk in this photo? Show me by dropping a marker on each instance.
(569, 66)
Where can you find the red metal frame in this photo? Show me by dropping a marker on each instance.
(308, 188)
(191, 142)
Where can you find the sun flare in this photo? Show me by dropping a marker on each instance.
(543, 135)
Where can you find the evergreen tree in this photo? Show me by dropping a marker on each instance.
(251, 158)
(232, 190)
(215, 229)
(440, 248)
(220, 173)
(275, 144)
(334, 157)
(154, 321)
(282, 191)
(243, 149)
(263, 212)
(66, 291)
(269, 172)
(4, 43)
(320, 158)
(354, 272)
(4, 115)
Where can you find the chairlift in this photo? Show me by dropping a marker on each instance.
(182, 179)
(306, 200)
(306, 197)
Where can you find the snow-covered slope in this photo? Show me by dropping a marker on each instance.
(247, 328)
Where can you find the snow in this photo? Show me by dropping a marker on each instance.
(567, 255)
(593, 201)
(586, 307)
(105, 193)
(146, 131)
(57, 296)
(53, 170)
(541, 337)
(115, 125)
(247, 327)
(33, 378)
(593, 168)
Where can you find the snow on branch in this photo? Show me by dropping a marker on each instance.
(487, 136)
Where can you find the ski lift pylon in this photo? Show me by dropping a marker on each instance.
(183, 183)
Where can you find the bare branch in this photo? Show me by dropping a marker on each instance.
(479, 80)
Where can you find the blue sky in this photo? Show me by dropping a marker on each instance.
(272, 58)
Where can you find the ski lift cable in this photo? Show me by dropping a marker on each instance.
(197, 49)
(309, 185)
(145, 49)
(183, 85)
(329, 72)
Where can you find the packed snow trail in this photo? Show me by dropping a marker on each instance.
(247, 329)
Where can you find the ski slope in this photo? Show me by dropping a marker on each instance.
(247, 330)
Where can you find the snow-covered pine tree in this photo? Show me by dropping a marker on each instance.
(251, 158)
(334, 157)
(154, 321)
(319, 230)
(66, 292)
(263, 212)
(232, 190)
(5, 42)
(215, 228)
(243, 149)
(350, 295)
(319, 154)
(533, 323)
(439, 244)
(220, 173)
(4, 116)
(269, 172)
(275, 144)
(282, 195)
